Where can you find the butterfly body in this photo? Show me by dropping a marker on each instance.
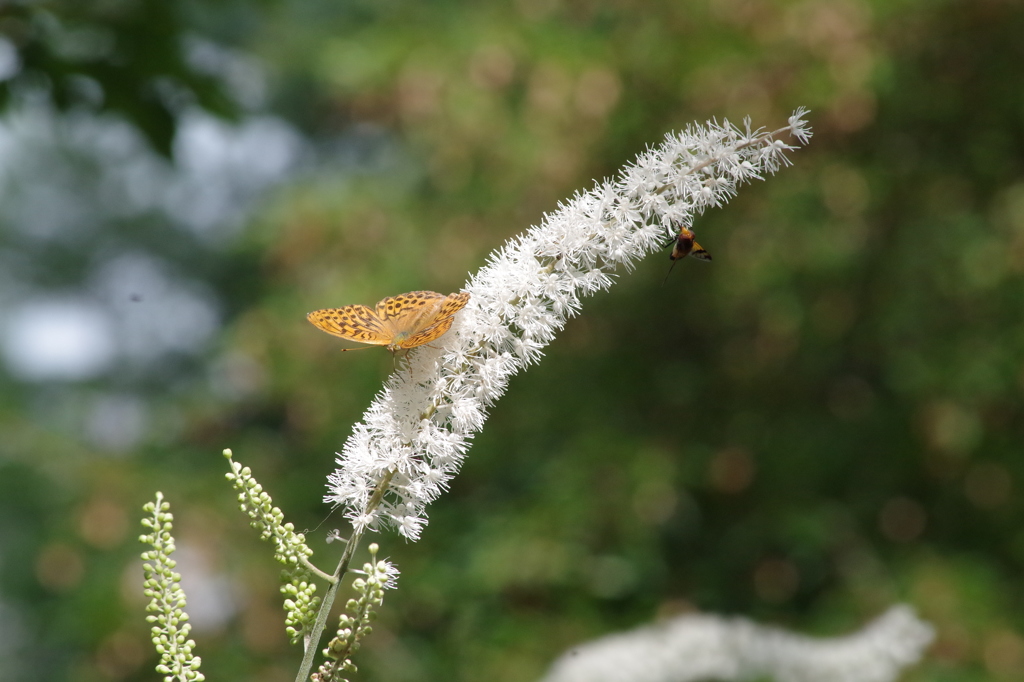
(397, 322)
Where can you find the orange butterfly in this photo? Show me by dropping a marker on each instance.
(398, 322)
(686, 245)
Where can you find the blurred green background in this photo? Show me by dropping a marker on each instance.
(824, 421)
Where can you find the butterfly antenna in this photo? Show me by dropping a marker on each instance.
(322, 521)
(345, 350)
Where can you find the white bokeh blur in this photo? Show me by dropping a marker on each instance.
(71, 182)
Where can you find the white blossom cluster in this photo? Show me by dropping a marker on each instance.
(421, 424)
(704, 647)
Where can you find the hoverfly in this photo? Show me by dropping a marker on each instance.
(686, 245)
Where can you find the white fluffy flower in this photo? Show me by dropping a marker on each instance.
(704, 647)
(420, 425)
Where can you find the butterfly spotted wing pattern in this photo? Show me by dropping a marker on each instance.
(353, 322)
(432, 332)
(398, 322)
(441, 321)
(453, 304)
(409, 308)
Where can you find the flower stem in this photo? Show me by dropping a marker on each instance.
(313, 639)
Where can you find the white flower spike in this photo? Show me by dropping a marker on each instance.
(421, 424)
(705, 647)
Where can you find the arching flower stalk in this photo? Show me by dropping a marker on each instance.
(419, 427)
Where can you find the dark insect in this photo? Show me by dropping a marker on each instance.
(686, 245)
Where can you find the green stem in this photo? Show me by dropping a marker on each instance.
(313, 640)
(316, 571)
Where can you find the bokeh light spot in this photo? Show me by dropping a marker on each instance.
(988, 485)
(59, 567)
(732, 470)
(54, 339)
(902, 519)
(776, 580)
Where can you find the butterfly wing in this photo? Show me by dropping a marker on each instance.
(453, 303)
(432, 332)
(353, 322)
(405, 309)
(433, 322)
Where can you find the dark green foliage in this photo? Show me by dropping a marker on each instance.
(123, 56)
